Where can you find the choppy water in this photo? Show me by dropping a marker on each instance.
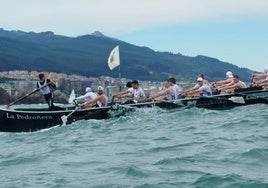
(185, 148)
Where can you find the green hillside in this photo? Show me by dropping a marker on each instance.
(87, 55)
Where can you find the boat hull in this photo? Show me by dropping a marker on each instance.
(32, 120)
(227, 101)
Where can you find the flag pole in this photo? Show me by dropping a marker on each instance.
(119, 74)
(119, 71)
(114, 61)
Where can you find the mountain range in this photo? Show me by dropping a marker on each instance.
(87, 55)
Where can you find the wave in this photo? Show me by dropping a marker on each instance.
(229, 180)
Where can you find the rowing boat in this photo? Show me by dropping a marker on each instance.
(33, 119)
(239, 97)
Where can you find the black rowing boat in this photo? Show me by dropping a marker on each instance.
(240, 97)
(33, 119)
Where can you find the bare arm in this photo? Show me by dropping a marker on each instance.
(163, 92)
(121, 94)
(90, 102)
(159, 93)
(232, 86)
(263, 75)
(190, 91)
(222, 82)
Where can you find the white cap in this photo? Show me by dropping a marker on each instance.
(88, 89)
(229, 74)
(100, 88)
(266, 70)
(199, 79)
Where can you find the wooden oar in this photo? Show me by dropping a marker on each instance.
(112, 102)
(64, 118)
(236, 99)
(20, 99)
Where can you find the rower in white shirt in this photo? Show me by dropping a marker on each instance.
(88, 95)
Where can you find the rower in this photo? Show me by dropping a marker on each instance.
(263, 79)
(100, 100)
(87, 96)
(196, 86)
(47, 89)
(176, 88)
(129, 92)
(203, 90)
(167, 93)
(235, 84)
(138, 93)
(229, 79)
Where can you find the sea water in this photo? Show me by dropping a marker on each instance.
(190, 147)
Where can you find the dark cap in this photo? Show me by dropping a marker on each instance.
(41, 75)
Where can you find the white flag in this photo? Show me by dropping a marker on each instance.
(114, 60)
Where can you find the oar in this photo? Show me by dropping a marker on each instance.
(236, 99)
(112, 102)
(20, 99)
(64, 118)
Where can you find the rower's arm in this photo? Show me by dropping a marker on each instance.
(160, 93)
(263, 75)
(120, 94)
(193, 91)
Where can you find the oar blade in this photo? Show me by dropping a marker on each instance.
(64, 119)
(239, 100)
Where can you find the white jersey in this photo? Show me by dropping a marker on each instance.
(87, 96)
(168, 96)
(106, 101)
(45, 90)
(130, 91)
(205, 90)
(139, 93)
(196, 86)
(177, 90)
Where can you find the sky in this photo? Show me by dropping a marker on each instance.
(233, 31)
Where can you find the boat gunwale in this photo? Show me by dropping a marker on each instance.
(52, 111)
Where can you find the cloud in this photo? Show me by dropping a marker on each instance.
(82, 16)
